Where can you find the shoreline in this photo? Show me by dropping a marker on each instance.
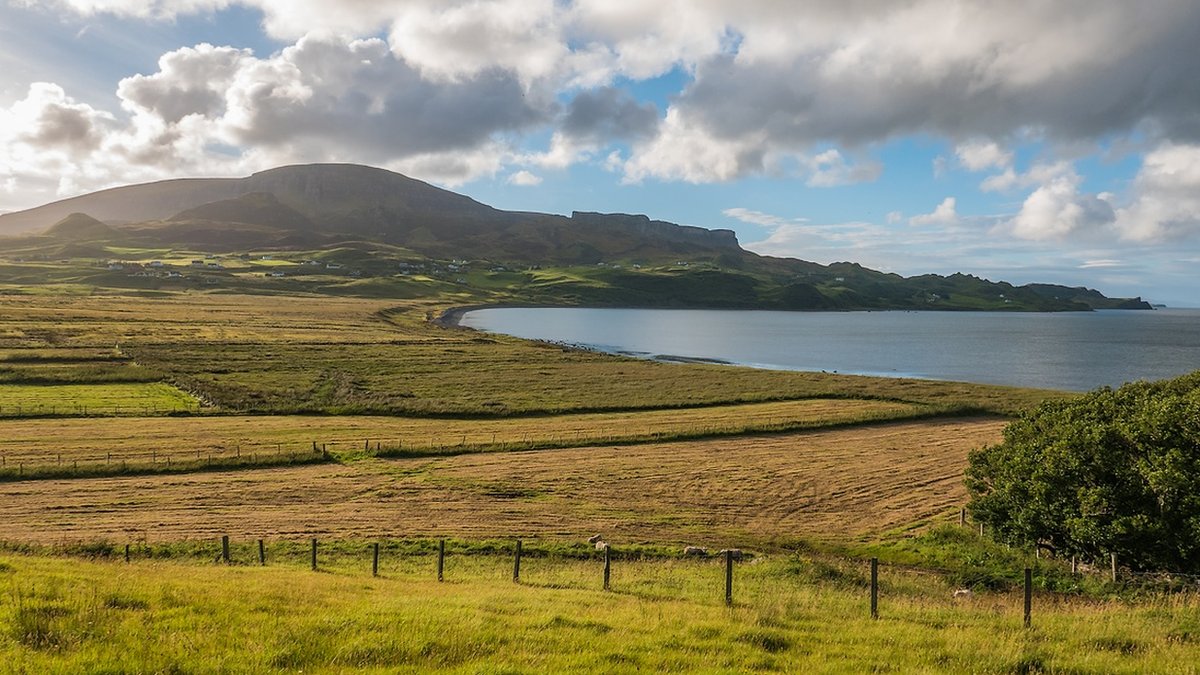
(452, 317)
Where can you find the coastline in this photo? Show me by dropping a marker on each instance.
(924, 360)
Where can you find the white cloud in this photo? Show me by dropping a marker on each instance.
(978, 155)
(683, 152)
(1057, 209)
(944, 214)
(1000, 182)
(759, 218)
(524, 179)
(939, 166)
(830, 169)
(461, 39)
(222, 111)
(774, 80)
(1103, 263)
(1166, 203)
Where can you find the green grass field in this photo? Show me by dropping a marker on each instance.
(140, 399)
(791, 613)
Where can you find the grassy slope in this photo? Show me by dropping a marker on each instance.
(371, 269)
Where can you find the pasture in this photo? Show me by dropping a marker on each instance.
(792, 613)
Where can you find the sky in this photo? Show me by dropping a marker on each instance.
(1025, 141)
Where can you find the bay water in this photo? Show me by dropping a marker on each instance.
(1074, 351)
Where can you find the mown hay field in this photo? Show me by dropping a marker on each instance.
(151, 442)
(752, 490)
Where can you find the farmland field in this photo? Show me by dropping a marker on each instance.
(17, 400)
(151, 442)
(752, 490)
(183, 417)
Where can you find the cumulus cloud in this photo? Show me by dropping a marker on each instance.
(1167, 196)
(774, 79)
(944, 214)
(189, 81)
(608, 113)
(839, 73)
(1058, 208)
(524, 178)
(683, 152)
(981, 155)
(220, 110)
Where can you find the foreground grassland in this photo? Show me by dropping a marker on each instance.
(860, 482)
(792, 613)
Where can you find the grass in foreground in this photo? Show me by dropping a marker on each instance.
(790, 614)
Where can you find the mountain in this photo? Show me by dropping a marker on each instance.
(351, 201)
(372, 219)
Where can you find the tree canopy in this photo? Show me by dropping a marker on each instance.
(1113, 471)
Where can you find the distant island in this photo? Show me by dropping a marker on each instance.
(346, 229)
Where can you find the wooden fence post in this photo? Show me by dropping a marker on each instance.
(1028, 595)
(517, 564)
(225, 549)
(126, 552)
(962, 517)
(874, 588)
(441, 558)
(1113, 558)
(262, 553)
(1074, 566)
(375, 561)
(607, 566)
(314, 554)
(729, 577)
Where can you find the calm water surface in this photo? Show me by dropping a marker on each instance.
(1072, 350)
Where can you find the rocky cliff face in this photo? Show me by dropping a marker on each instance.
(642, 226)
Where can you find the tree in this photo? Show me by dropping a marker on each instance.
(1113, 471)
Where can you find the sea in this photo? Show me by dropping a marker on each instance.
(1073, 351)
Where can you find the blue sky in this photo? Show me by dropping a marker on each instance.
(1022, 141)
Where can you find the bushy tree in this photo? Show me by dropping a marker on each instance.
(1111, 471)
